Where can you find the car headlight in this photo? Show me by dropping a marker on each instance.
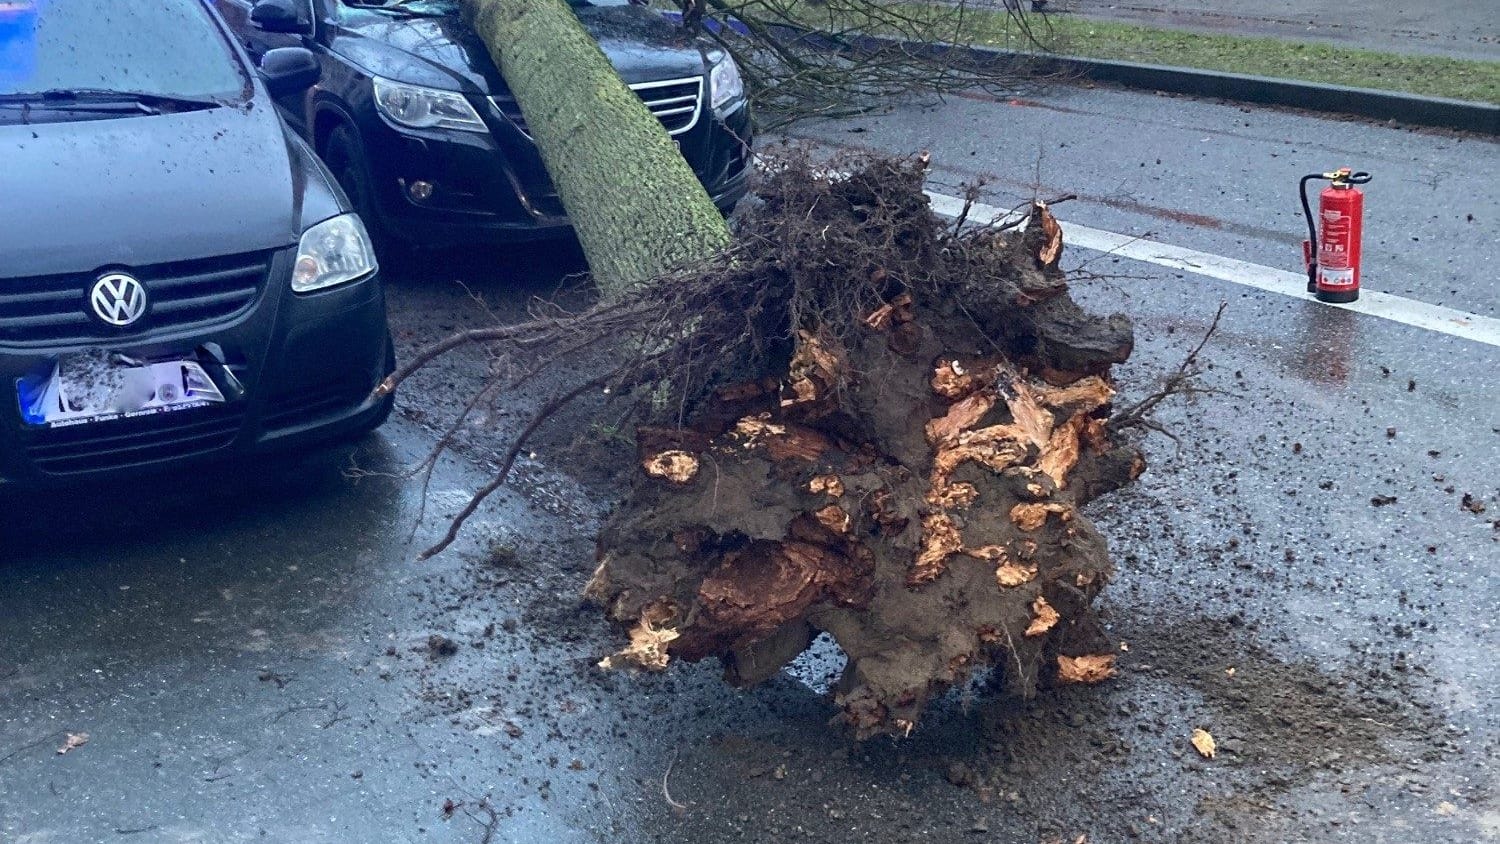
(725, 81)
(425, 108)
(333, 252)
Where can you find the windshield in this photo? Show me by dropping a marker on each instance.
(167, 48)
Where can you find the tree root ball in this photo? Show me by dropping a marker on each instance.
(905, 475)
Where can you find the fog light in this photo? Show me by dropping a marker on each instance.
(419, 190)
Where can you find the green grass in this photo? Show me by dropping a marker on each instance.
(1314, 62)
(1427, 75)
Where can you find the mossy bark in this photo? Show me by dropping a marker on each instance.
(637, 206)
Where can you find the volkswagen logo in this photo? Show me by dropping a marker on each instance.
(118, 299)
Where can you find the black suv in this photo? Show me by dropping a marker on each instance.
(180, 277)
(416, 123)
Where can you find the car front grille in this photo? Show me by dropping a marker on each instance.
(185, 294)
(677, 103)
(131, 442)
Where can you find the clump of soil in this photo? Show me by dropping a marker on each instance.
(877, 425)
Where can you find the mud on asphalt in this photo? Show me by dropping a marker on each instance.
(1227, 611)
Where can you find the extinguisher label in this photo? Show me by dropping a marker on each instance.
(1335, 278)
(1333, 251)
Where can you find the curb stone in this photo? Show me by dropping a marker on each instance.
(1412, 109)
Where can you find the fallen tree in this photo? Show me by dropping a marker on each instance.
(636, 205)
(861, 421)
(855, 419)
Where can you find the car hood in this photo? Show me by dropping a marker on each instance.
(444, 52)
(151, 189)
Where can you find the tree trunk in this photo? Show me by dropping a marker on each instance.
(637, 206)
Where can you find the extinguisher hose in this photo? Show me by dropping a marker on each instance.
(1312, 231)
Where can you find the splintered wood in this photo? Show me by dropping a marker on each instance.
(679, 467)
(1030, 440)
(648, 640)
(1043, 617)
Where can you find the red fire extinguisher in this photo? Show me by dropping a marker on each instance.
(1333, 270)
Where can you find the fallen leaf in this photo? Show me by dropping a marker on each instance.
(1043, 617)
(1204, 744)
(73, 742)
(1229, 671)
(1089, 668)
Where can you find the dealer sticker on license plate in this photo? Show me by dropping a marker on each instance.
(99, 387)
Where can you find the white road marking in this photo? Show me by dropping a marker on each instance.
(1480, 329)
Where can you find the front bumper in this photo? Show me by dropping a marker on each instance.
(494, 185)
(308, 364)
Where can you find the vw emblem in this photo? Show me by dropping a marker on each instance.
(118, 299)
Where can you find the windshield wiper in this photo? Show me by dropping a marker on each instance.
(396, 6)
(102, 99)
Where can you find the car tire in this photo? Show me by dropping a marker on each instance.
(345, 157)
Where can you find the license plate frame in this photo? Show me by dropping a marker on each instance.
(94, 389)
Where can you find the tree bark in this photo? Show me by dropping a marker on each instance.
(637, 206)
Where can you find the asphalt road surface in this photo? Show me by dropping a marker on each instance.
(250, 652)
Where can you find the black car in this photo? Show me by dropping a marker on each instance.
(180, 277)
(418, 126)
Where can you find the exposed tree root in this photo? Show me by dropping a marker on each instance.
(862, 422)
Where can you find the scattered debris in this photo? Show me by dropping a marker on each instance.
(1090, 668)
(1204, 743)
(73, 742)
(439, 646)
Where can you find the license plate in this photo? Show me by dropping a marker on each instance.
(97, 387)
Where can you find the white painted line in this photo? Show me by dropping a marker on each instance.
(1480, 329)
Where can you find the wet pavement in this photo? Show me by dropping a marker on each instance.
(251, 656)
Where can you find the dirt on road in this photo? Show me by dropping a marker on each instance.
(1221, 621)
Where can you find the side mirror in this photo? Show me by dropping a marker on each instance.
(280, 16)
(287, 70)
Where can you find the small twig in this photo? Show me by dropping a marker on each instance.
(50, 737)
(1180, 382)
(537, 420)
(491, 823)
(666, 792)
